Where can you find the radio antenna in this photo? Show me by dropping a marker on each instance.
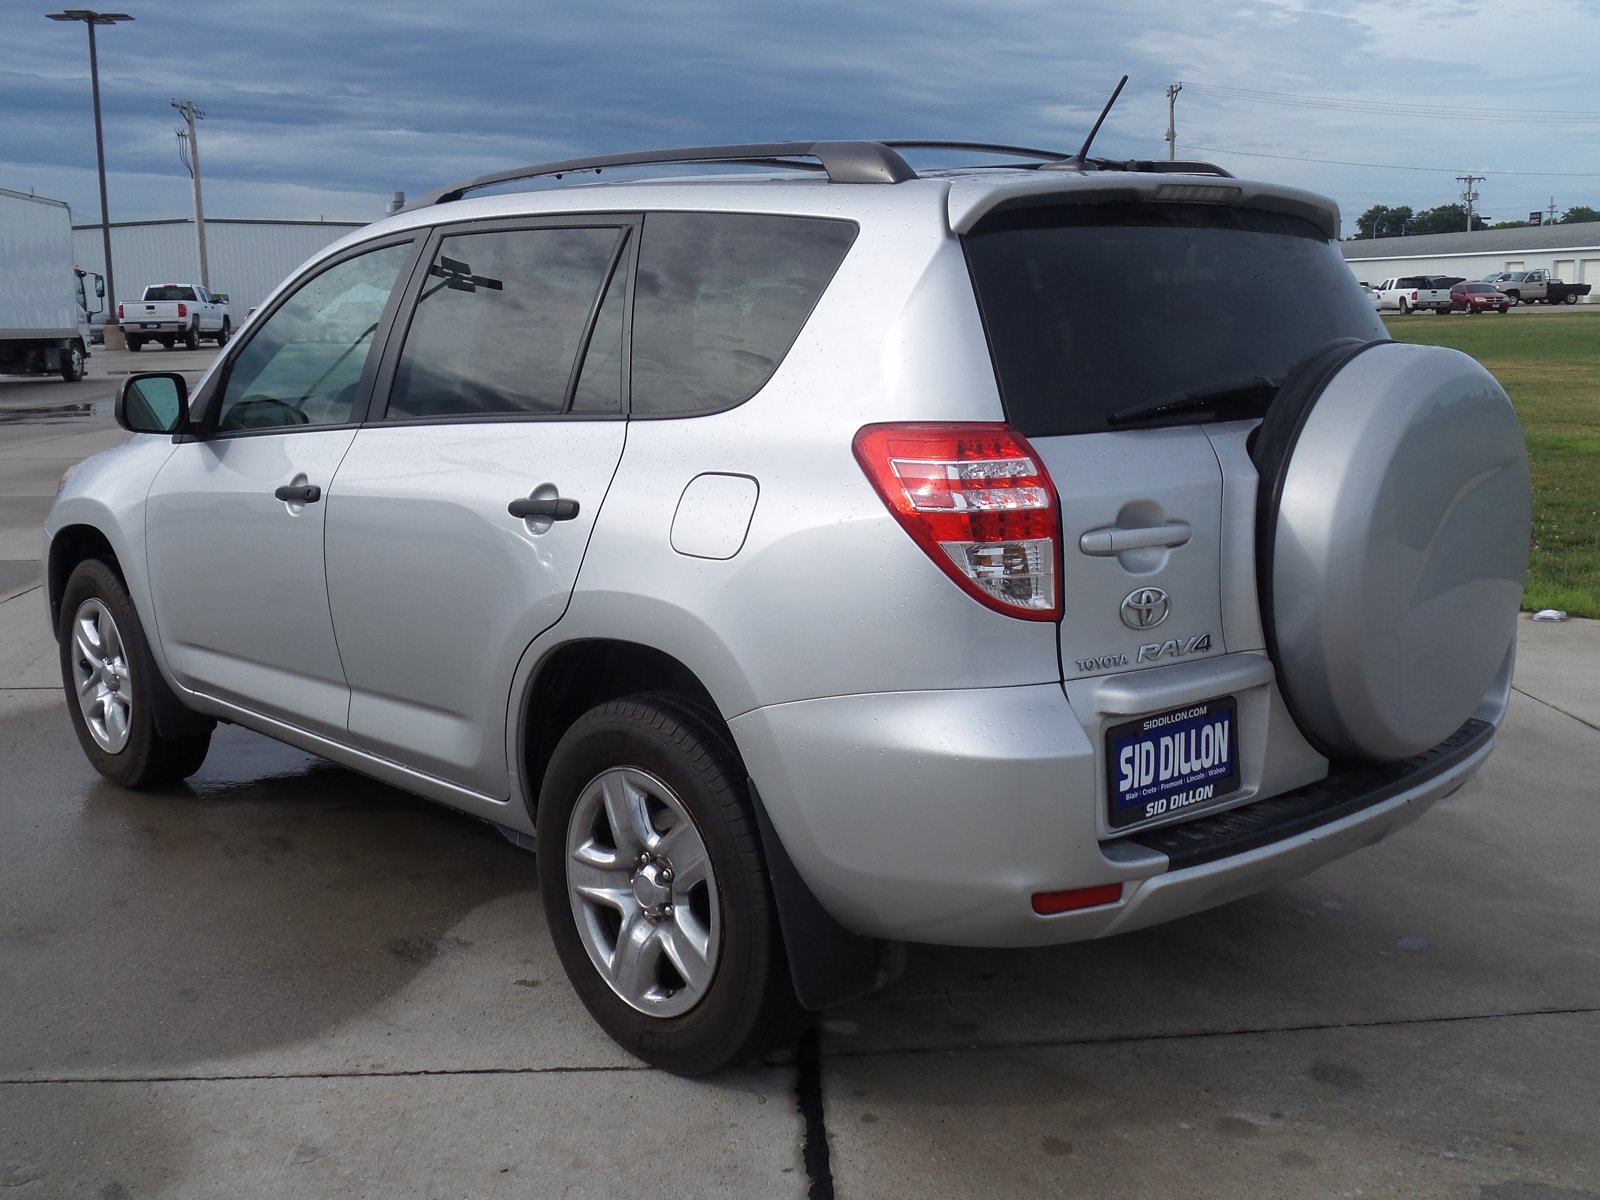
(1083, 153)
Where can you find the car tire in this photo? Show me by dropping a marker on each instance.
(191, 336)
(167, 343)
(656, 890)
(1570, 298)
(72, 364)
(113, 686)
(1392, 528)
(134, 344)
(1404, 307)
(224, 333)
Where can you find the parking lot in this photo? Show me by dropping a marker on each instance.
(283, 979)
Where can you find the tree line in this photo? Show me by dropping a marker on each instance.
(1384, 220)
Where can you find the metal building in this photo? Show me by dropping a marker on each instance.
(1569, 252)
(247, 258)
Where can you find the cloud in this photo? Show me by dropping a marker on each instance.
(336, 104)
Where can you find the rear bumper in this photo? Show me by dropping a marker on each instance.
(936, 816)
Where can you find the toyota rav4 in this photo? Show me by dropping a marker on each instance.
(801, 556)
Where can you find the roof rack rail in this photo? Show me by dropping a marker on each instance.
(976, 147)
(844, 162)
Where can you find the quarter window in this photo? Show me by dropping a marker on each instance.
(303, 364)
(501, 321)
(720, 300)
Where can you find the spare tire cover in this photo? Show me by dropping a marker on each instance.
(1392, 542)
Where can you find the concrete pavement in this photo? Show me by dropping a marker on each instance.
(287, 980)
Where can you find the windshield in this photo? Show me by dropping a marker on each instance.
(1096, 311)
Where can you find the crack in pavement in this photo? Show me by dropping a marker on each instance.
(1580, 720)
(1026, 1044)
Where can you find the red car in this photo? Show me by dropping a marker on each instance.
(1477, 298)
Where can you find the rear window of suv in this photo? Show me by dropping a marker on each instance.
(1095, 310)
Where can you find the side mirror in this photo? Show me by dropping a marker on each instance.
(154, 403)
(100, 287)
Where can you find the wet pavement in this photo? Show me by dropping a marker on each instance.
(283, 979)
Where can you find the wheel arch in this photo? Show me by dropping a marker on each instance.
(69, 547)
(578, 675)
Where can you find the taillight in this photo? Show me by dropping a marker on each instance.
(979, 501)
(119, 312)
(183, 309)
(1413, 296)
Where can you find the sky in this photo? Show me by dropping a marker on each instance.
(323, 108)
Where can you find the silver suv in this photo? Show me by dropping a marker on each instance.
(821, 556)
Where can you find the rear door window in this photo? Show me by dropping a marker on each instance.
(1096, 310)
(720, 300)
(503, 321)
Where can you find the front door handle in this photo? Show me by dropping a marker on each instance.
(556, 508)
(299, 493)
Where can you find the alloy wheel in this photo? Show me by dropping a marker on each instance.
(643, 892)
(102, 676)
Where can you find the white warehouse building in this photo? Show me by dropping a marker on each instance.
(1569, 252)
(246, 259)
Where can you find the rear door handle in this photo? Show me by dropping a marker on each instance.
(556, 508)
(299, 493)
(1102, 543)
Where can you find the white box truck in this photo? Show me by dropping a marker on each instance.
(45, 301)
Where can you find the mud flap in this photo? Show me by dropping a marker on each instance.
(828, 964)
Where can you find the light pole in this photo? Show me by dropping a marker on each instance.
(91, 18)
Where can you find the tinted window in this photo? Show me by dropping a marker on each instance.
(500, 322)
(720, 299)
(303, 364)
(1093, 310)
(169, 293)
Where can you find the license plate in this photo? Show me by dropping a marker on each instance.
(1172, 761)
(151, 325)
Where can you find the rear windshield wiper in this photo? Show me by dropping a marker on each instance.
(1255, 387)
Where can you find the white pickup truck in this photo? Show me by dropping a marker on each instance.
(1414, 293)
(170, 313)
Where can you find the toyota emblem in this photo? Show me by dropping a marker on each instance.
(1145, 608)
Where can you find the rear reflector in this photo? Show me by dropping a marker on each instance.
(978, 500)
(1048, 903)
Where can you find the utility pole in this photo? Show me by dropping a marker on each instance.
(1469, 195)
(192, 161)
(1172, 120)
(1552, 210)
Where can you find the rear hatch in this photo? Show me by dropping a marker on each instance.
(1136, 344)
(1121, 333)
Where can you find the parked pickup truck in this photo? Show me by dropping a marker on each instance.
(170, 313)
(1537, 287)
(1414, 293)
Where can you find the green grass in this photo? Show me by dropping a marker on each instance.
(1549, 364)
